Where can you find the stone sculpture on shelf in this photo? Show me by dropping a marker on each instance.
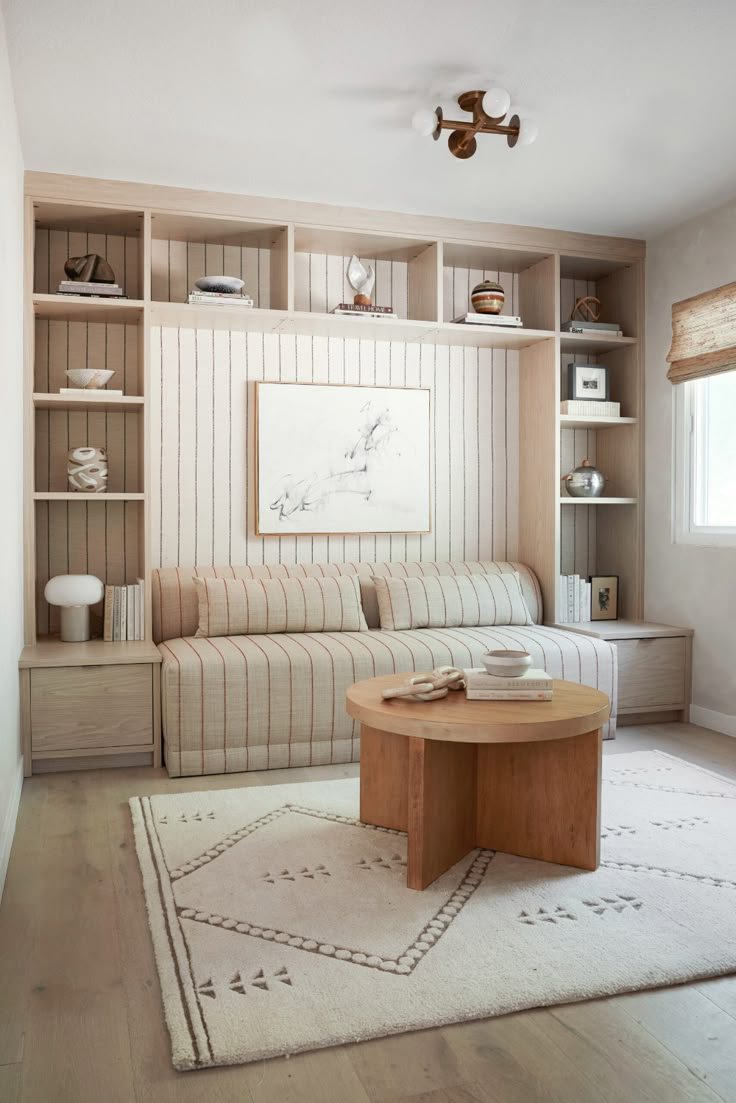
(362, 279)
(87, 470)
(429, 687)
(91, 268)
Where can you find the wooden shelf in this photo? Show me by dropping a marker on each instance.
(51, 651)
(570, 501)
(67, 308)
(70, 496)
(314, 324)
(589, 342)
(572, 421)
(480, 336)
(104, 402)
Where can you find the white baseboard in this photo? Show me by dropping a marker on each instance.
(716, 721)
(7, 830)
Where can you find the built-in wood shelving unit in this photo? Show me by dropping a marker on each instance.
(292, 257)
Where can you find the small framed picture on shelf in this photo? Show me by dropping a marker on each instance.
(604, 597)
(588, 381)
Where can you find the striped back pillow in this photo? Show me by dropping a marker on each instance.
(246, 607)
(451, 601)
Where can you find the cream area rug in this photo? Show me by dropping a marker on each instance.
(281, 923)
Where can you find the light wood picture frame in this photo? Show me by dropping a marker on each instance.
(604, 597)
(341, 459)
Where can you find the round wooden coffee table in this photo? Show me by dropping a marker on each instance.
(521, 777)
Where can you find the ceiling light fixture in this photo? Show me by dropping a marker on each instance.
(488, 109)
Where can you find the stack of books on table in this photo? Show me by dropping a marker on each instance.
(364, 310)
(533, 685)
(124, 612)
(220, 298)
(575, 599)
(503, 320)
(90, 287)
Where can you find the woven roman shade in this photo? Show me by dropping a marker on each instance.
(703, 335)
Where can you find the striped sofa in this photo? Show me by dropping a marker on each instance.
(259, 702)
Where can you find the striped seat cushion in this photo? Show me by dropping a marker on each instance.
(247, 607)
(266, 701)
(452, 601)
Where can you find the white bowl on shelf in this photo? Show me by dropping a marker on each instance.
(506, 664)
(223, 285)
(89, 379)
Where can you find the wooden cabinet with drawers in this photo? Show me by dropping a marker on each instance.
(91, 699)
(654, 667)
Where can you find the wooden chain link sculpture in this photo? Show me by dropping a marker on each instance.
(429, 687)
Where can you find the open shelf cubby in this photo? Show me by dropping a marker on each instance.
(406, 271)
(618, 287)
(184, 248)
(527, 277)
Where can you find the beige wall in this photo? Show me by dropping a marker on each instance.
(11, 434)
(687, 584)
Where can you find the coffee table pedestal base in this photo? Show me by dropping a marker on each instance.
(537, 799)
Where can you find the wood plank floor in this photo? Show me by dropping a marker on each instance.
(81, 1018)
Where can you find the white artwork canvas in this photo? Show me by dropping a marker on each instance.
(342, 459)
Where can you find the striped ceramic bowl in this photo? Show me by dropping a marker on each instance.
(487, 298)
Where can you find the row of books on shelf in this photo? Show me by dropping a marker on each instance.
(124, 617)
(533, 685)
(575, 599)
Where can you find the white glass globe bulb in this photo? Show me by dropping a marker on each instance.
(496, 103)
(528, 132)
(424, 121)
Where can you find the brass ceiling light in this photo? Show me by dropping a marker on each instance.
(488, 110)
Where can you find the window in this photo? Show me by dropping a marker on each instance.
(706, 461)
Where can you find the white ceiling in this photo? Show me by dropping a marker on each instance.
(312, 100)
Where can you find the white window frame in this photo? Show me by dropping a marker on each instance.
(689, 470)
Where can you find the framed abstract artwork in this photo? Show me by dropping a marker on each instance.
(337, 459)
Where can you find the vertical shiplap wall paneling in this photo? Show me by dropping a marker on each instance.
(578, 523)
(203, 418)
(99, 538)
(177, 265)
(458, 283)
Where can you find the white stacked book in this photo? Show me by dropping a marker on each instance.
(220, 298)
(533, 685)
(488, 320)
(124, 617)
(574, 599)
(586, 408)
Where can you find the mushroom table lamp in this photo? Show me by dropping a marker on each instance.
(74, 593)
